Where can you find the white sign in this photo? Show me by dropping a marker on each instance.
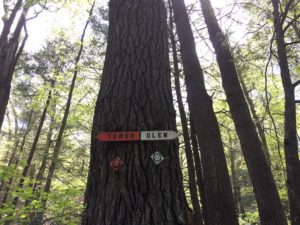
(158, 135)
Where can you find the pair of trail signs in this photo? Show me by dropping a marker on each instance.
(137, 136)
(117, 163)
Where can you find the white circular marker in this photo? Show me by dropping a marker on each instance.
(157, 157)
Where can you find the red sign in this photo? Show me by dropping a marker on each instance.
(119, 136)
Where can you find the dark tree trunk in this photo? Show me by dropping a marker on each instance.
(198, 169)
(258, 123)
(197, 217)
(9, 22)
(135, 94)
(267, 197)
(218, 193)
(9, 54)
(290, 127)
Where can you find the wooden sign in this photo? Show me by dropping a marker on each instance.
(158, 135)
(119, 136)
(137, 135)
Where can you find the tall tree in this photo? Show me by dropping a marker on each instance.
(290, 123)
(135, 94)
(185, 130)
(219, 205)
(10, 52)
(267, 197)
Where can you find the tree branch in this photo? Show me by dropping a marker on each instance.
(296, 83)
(291, 22)
(292, 43)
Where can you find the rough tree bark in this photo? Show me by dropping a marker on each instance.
(267, 197)
(290, 123)
(220, 208)
(135, 94)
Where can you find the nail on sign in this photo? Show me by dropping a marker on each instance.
(137, 135)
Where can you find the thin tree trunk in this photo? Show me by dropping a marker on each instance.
(258, 123)
(135, 94)
(198, 169)
(9, 130)
(38, 219)
(187, 143)
(290, 123)
(267, 197)
(37, 185)
(15, 159)
(33, 147)
(232, 158)
(41, 172)
(217, 189)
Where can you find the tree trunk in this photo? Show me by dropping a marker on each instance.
(9, 22)
(258, 123)
(198, 169)
(42, 169)
(9, 55)
(135, 95)
(232, 159)
(218, 193)
(267, 197)
(197, 217)
(15, 156)
(290, 123)
(36, 187)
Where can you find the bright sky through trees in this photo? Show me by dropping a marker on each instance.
(70, 19)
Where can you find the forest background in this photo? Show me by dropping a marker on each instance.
(55, 30)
